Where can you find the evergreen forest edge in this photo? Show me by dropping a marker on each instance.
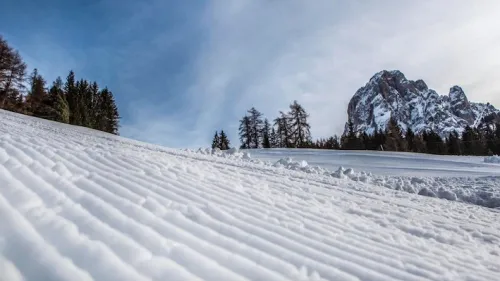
(292, 130)
(75, 102)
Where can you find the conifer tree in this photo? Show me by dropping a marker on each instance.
(71, 96)
(216, 141)
(245, 131)
(283, 131)
(379, 139)
(256, 126)
(58, 104)
(81, 113)
(434, 143)
(299, 127)
(109, 122)
(409, 137)
(496, 151)
(469, 140)
(419, 144)
(223, 141)
(453, 144)
(332, 143)
(61, 109)
(37, 96)
(367, 141)
(394, 140)
(273, 138)
(12, 76)
(351, 141)
(91, 104)
(266, 142)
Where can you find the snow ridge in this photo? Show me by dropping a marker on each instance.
(77, 204)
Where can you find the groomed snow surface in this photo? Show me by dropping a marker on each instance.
(76, 204)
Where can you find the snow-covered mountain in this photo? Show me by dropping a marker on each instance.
(413, 105)
(82, 205)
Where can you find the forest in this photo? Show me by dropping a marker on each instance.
(292, 130)
(72, 101)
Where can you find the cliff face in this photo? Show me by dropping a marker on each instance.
(413, 105)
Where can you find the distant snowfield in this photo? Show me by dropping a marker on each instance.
(469, 179)
(76, 204)
(389, 163)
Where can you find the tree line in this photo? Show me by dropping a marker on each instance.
(221, 141)
(76, 102)
(292, 130)
(481, 140)
(289, 130)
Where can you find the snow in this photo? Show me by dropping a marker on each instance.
(77, 204)
(492, 159)
(428, 175)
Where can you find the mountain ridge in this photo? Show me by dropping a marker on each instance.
(414, 105)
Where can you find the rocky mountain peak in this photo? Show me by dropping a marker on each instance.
(420, 85)
(390, 94)
(460, 105)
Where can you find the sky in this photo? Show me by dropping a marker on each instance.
(180, 70)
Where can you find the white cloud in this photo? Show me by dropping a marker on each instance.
(266, 53)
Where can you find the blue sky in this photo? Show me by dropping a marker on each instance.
(182, 69)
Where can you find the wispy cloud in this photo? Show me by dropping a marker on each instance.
(268, 53)
(182, 69)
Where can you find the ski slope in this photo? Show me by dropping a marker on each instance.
(76, 204)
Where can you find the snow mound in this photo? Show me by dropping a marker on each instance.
(483, 191)
(290, 164)
(77, 204)
(492, 159)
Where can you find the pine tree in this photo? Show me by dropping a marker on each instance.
(273, 138)
(91, 104)
(332, 143)
(394, 140)
(496, 151)
(12, 76)
(409, 137)
(367, 141)
(351, 141)
(256, 125)
(245, 131)
(109, 122)
(71, 96)
(37, 96)
(61, 108)
(419, 144)
(81, 113)
(469, 140)
(58, 104)
(453, 144)
(283, 131)
(266, 142)
(434, 143)
(379, 139)
(223, 141)
(216, 141)
(299, 127)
